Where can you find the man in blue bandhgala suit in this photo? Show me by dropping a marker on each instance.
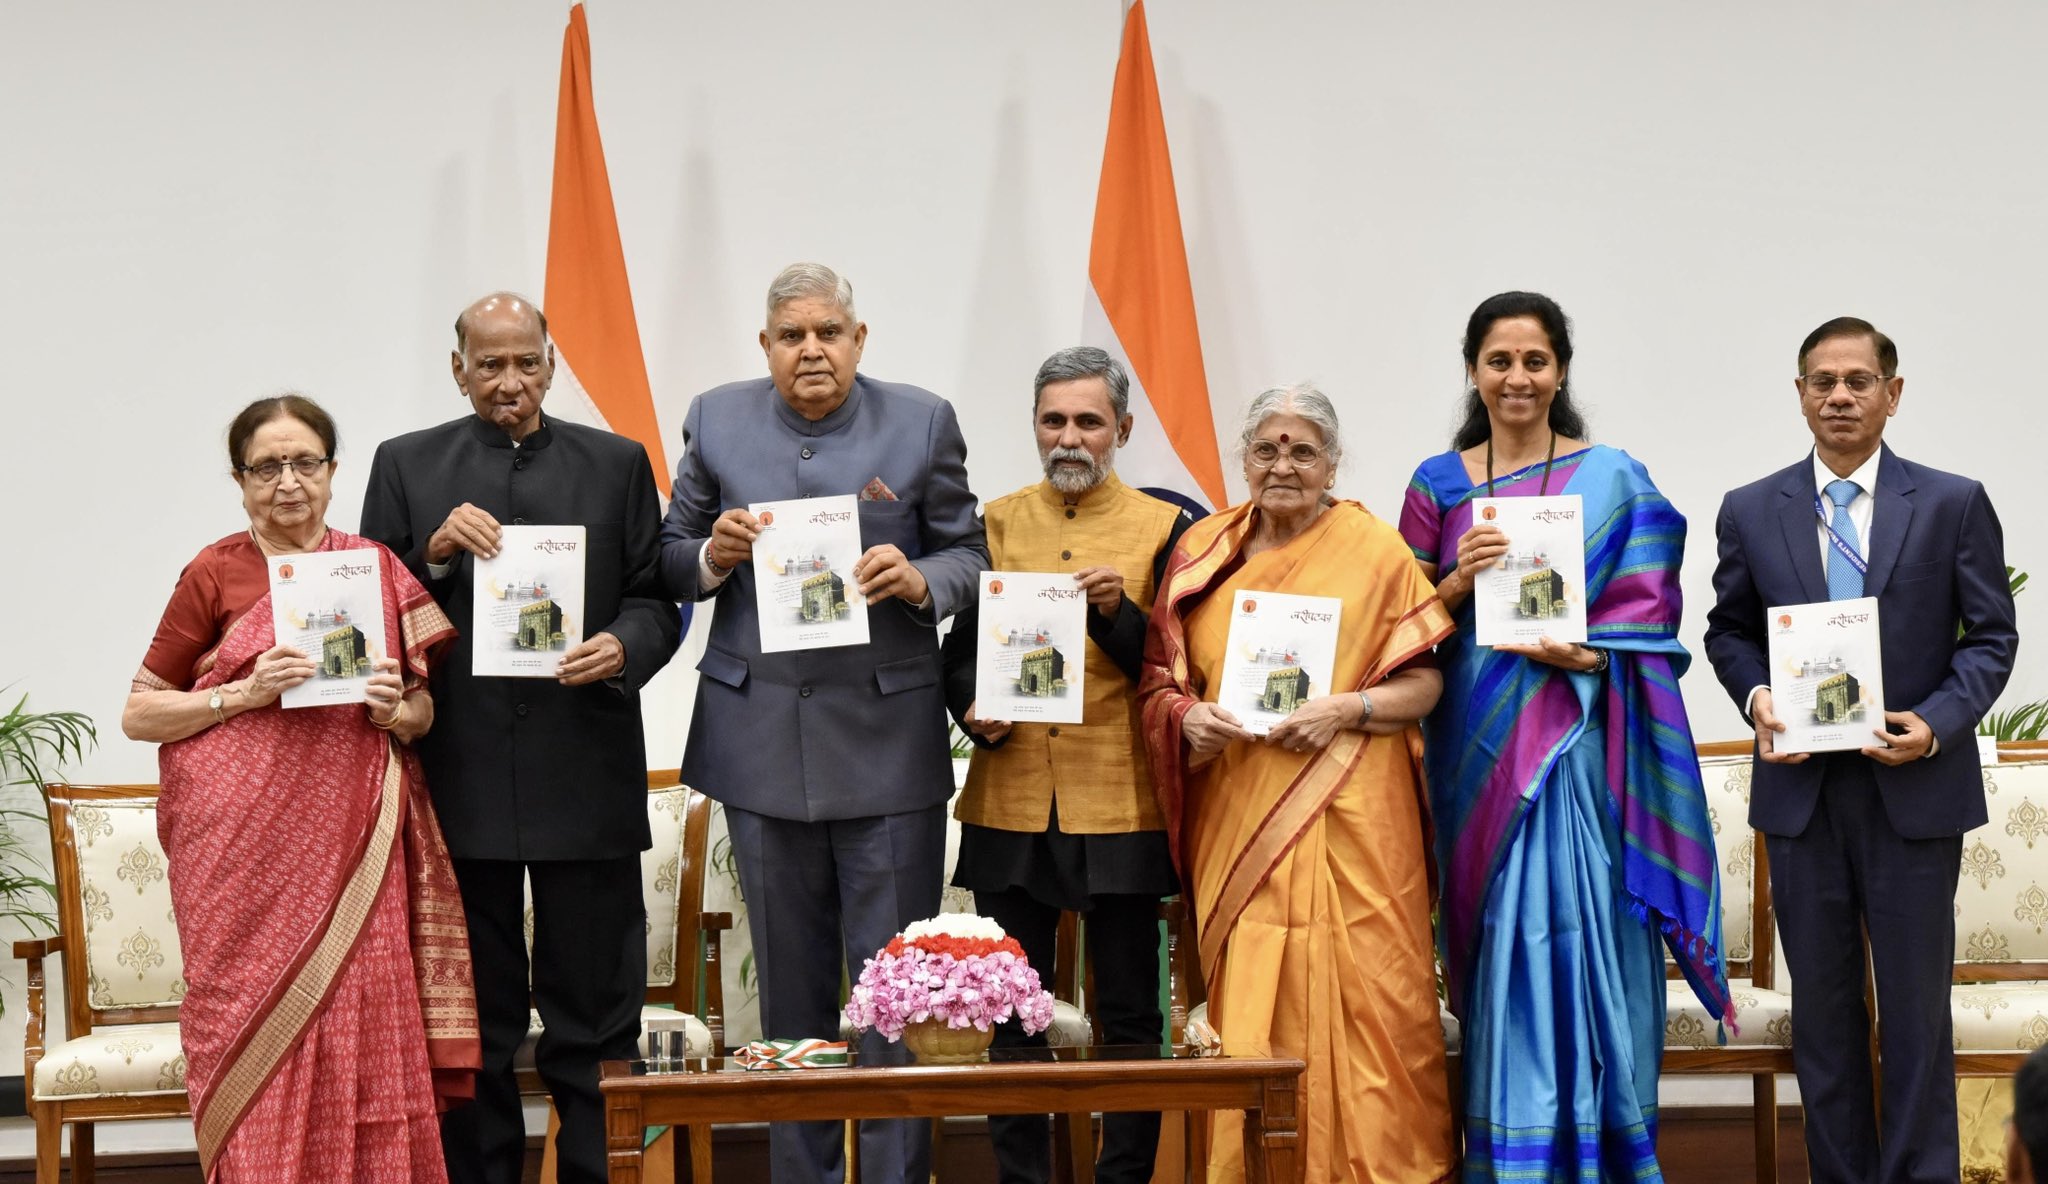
(832, 763)
(1871, 841)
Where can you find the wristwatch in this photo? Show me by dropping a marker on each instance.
(215, 701)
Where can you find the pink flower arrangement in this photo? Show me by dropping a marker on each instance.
(958, 969)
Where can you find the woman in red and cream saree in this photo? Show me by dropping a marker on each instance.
(1305, 852)
(329, 1012)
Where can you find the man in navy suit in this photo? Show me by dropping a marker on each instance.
(1869, 842)
(832, 763)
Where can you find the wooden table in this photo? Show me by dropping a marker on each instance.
(712, 1090)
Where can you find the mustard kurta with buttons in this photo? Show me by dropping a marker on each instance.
(1097, 769)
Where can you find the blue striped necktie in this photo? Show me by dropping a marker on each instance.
(1844, 581)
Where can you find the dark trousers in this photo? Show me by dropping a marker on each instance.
(1847, 874)
(822, 897)
(589, 979)
(1123, 944)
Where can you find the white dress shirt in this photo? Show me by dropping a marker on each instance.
(1860, 506)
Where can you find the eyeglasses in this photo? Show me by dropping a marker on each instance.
(1263, 454)
(1859, 383)
(270, 470)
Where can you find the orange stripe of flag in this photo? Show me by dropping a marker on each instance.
(1139, 266)
(588, 301)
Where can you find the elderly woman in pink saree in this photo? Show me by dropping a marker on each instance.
(329, 1013)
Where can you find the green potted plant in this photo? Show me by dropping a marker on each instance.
(33, 746)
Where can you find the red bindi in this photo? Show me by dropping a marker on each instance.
(1284, 437)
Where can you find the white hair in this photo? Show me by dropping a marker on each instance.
(800, 280)
(1299, 398)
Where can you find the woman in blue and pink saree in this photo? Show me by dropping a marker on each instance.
(1572, 832)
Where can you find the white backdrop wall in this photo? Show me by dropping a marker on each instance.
(207, 202)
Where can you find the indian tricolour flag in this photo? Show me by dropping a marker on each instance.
(588, 302)
(1140, 306)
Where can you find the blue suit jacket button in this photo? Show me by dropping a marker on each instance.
(803, 692)
(807, 454)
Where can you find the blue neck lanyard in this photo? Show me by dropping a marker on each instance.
(1837, 541)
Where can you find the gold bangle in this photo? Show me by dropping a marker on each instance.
(395, 717)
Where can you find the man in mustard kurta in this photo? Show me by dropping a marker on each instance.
(1059, 816)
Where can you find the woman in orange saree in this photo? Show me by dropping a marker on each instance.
(329, 1011)
(1305, 852)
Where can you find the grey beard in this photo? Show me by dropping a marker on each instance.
(1068, 480)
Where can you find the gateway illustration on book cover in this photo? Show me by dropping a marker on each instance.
(805, 594)
(1281, 653)
(527, 602)
(1827, 674)
(1030, 659)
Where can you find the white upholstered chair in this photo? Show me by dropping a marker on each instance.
(123, 970)
(1999, 1004)
(123, 977)
(1760, 1044)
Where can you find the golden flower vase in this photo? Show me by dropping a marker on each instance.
(933, 1043)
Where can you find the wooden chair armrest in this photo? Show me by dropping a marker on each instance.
(713, 924)
(1173, 910)
(35, 949)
